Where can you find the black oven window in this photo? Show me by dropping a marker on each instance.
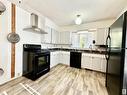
(41, 61)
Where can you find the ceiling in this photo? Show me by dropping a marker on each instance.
(63, 12)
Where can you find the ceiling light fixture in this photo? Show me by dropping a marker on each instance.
(20, 1)
(78, 20)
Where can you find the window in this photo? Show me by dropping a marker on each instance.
(83, 39)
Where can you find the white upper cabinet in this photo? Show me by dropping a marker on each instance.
(101, 35)
(47, 38)
(75, 40)
(55, 36)
(68, 37)
(22, 19)
(65, 38)
(41, 22)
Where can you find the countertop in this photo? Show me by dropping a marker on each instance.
(93, 51)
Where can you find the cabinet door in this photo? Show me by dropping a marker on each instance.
(62, 37)
(57, 57)
(86, 61)
(54, 36)
(48, 37)
(105, 35)
(52, 63)
(65, 38)
(66, 57)
(101, 36)
(75, 40)
(60, 57)
(57, 37)
(103, 65)
(96, 63)
(54, 59)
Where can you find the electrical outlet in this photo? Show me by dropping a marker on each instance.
(124, 92)
(18, 74)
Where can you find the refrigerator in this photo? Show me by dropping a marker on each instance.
(116, 56)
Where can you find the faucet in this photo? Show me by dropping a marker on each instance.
(90, 47)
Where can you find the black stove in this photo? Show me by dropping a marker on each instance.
(36, 62)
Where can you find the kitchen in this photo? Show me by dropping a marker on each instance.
(63, 46)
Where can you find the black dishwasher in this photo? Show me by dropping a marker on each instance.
(75, 59)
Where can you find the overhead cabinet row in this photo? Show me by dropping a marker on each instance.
(55, 37)
(69, 38)
(85, 40)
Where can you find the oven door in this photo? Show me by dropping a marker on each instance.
(42, 62)
(28, 60)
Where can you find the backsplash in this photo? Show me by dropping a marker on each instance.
(45, 46)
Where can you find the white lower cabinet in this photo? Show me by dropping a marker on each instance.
(57, 57)
(86, 61)
(64, 57)
(54, 58)
(103, 65)
(95, 62)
